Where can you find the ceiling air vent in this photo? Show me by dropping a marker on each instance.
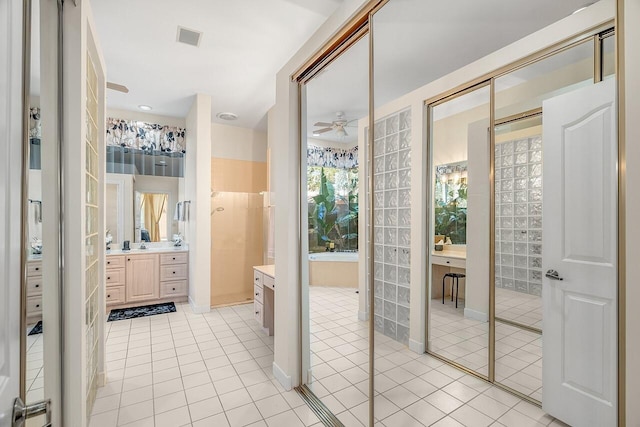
(190, 37)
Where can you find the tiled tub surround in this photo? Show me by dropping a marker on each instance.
(392, 224)
(519, 215)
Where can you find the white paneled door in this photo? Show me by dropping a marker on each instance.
(580, 256)
(10, 200)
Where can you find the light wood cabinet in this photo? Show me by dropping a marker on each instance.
(263, 296)
(146, 278)
(34, 291)
(142, 280)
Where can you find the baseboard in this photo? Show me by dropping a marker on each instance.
(416, 346)
(282, 377)
(476, 315)
(198, 309)
(363, 316)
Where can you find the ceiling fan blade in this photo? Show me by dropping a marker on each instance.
(323, 130)
(323, 124)
(117, 87)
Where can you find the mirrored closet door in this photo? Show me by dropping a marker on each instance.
(335, 324)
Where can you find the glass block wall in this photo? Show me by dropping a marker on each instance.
(392, 224)
(92, 238)
(519, 215)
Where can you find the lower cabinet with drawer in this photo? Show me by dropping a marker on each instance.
(34, 291)
(263, 297)
(146, 278)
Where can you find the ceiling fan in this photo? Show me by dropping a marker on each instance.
(338, 126)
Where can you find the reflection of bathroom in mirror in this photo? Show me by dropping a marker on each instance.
(459, 294)
(143, 208)
(36, 211)
(450, 208)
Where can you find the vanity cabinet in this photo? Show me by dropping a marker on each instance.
(34, 291)
(264, 286)
(142, 277)
(146, 278)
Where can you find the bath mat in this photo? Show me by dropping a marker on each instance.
(142, 311)
(36, 329)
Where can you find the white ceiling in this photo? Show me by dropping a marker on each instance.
(419, 41)
(245, 42)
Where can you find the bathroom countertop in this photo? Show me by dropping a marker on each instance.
(269, 270)
(34, 257)
(449, 253)
(152, 250)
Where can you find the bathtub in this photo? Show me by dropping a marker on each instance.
(333, 269)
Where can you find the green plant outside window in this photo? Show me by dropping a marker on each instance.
(450, 211)
(333, 208)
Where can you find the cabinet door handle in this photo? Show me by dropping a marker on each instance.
(108, 262)
(257, 294)
(108, 278)
(108, 295)
(174, 272)
(37, 305)
(37, 268)
(128, 259)
(448, 262)
(174, 289)
(37, 286)
(257, 312)
(174, 258)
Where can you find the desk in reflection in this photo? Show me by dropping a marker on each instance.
(449, 260)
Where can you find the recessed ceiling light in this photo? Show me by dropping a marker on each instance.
(145, 107)
(227, 116)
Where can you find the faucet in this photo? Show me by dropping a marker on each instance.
(143, 245)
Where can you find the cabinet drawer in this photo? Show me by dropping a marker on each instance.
(177, 258)
(257, 278)
(115, 295)
(268, 281)
(257, 293)
(34, 306)
(173, 272)
(34, 286)
(115, 277)
(449, 262)
(34, 268)
(170, 289)
(257, 312)
(115, 261)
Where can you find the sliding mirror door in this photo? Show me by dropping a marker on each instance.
(335, 350)
(459, 291)
(520, 250)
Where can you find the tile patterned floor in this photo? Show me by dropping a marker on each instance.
(214, 369)
(35, 373)
(519, 307)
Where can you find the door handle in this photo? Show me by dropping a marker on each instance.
(553, 275)
(22, 412)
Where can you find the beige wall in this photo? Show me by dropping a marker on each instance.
(232, 142)
(238, 175)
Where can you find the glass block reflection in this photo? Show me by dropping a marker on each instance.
(519, 215)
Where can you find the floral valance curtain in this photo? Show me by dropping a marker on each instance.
(145, 136)
(330, 157)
